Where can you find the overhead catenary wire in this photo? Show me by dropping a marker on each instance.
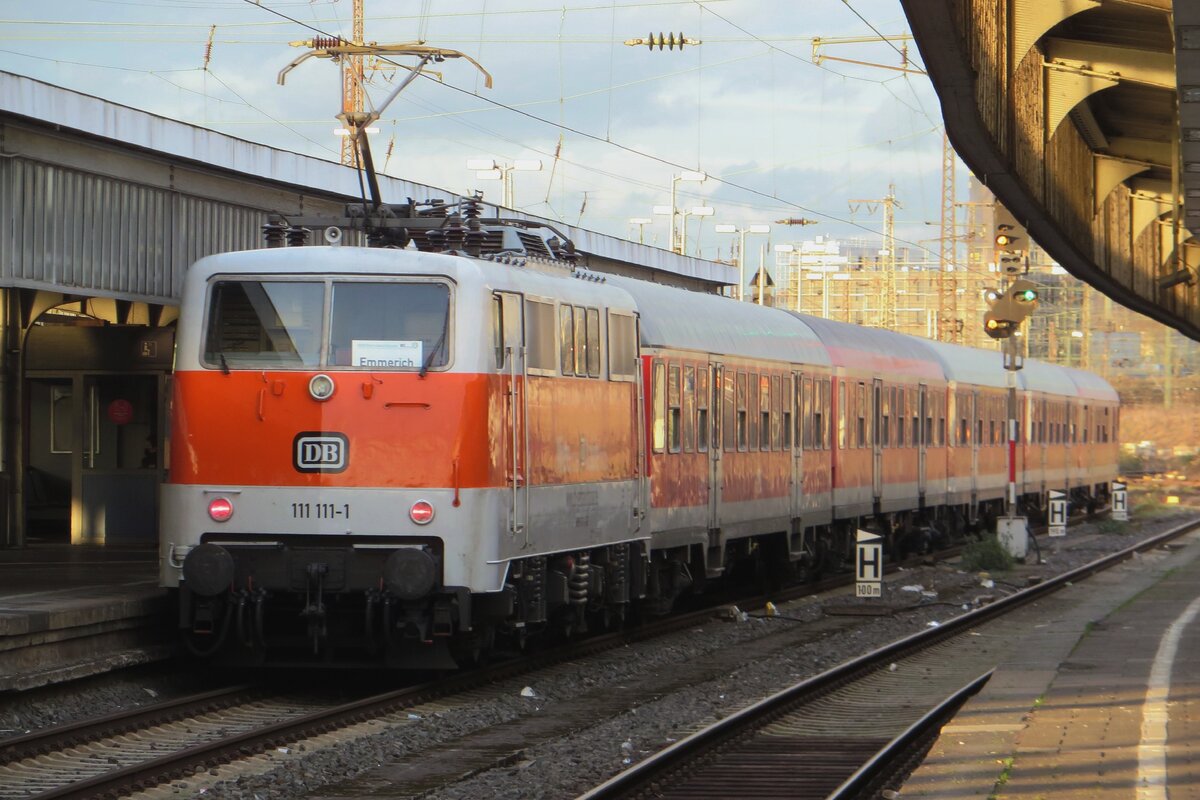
(627, 148)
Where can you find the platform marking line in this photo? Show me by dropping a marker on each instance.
(1152, 749)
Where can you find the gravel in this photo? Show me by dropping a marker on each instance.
(621, 705)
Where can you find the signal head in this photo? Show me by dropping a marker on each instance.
(998, 328)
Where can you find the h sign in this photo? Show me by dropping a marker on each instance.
(1056, 517)
(317, 451)
(1120, 503)
(869, 565)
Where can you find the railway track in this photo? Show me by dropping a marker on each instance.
(155, 744)
(855, 725)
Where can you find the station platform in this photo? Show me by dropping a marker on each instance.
(1095, 694)
(71, 611)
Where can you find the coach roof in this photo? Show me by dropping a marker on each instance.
(710, 323)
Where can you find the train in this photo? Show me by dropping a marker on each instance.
(450, 437)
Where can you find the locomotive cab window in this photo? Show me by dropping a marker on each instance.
(375, 325)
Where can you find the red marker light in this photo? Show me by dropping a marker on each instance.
(421, 512)
(220, 509)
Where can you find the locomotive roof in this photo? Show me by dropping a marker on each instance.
(677, 318)
(877, 349)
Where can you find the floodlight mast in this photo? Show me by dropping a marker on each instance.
(336, 48)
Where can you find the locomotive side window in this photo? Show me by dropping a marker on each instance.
(593, 342)
(659, 400)
(566, 339)
(265, 323)
(622, 346)
(390, 325)
(581, 342)
(541, 355)
(498, 330)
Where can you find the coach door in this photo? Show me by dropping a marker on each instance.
(509, 331)
(877, 438)
(919, 440)
(716, 472)
(799, 398)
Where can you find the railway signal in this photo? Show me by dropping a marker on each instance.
(1011, 241)
(1008, 308)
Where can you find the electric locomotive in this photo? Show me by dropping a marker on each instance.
(398, 454)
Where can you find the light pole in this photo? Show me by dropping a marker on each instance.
(741, 257)
(694, 211)
(641, 222)
(686, 175)
(487, 169)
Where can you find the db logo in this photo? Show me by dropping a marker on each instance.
(315, 451)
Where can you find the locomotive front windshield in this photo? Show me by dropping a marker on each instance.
(297, 324)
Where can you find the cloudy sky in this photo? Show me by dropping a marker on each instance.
(779, 135)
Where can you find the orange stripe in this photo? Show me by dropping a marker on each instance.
(447, 429)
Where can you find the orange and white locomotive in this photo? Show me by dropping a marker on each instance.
(394, 455)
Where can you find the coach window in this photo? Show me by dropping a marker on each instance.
(566, 339)
(659, 400)
(702, 409)
(689, 408)
(593, 342)
(860, 409)
(741, 412)
(764, 408)
(674, 438)
(899, 413)
(808, 415)
(825, 428)
(841, 415)
(729, 411)
(787, 398)
(622, 347)
(885, 431)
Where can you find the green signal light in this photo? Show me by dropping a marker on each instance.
(1028, 296)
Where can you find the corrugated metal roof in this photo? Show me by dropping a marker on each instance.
(126, 126)
(714, 324)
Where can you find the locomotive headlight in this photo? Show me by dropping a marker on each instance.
(321, 387)
(421, 512)
(220, 509)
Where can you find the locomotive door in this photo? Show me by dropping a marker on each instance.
(877, 438)
(511, 355)
(920, 440)
(715, 473)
